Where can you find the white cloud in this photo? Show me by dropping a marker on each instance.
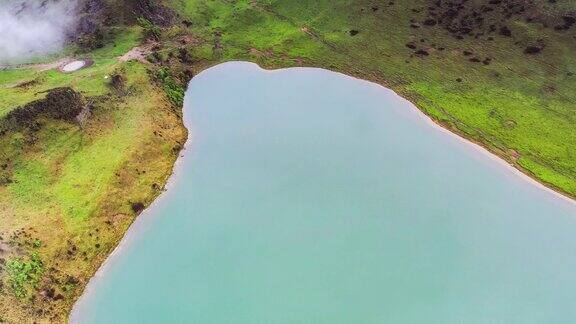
(31, 28)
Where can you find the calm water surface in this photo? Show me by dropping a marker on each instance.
(311, 197)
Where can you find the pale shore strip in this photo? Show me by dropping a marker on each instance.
(431, 122)
(142, 222)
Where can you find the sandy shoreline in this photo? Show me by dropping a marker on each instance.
(434, 124)
(143, 221)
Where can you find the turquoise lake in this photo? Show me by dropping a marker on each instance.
(306, 196)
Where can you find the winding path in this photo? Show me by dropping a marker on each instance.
(136, 53)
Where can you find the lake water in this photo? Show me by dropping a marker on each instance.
(307, 196)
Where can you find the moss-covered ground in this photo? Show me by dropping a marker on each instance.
(501, 73)
(69, 190)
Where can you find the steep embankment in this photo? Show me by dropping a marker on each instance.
(498, 72)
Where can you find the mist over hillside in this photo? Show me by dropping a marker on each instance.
(29, 28)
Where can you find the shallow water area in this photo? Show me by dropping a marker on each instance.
(307, 196)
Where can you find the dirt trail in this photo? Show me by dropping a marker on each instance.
(38, 66)
(136, 53)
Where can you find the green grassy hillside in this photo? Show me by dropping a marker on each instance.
(472, 69)
(500, 73)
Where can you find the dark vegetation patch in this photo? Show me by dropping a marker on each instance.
(505, 31)
(173, 86)
(60, 103)
(464, 18)
(98, 19)
(24, 275)
(118, 82)
(172, 68)
(151, 30)
(27, 84)
(22, 270)
(92, 31)
(568, 22)
(137, 207)
(114, 13)
(533, 50)
(154, 11)
(90, 35)
(184, 56)
(486, 18)
(421, 52)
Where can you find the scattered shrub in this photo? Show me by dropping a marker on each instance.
(172, 87)
(23, 276)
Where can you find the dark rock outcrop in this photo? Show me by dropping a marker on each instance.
(60, 103)
(137, 207)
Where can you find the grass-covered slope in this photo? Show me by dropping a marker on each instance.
(499, 72)
(69, 188)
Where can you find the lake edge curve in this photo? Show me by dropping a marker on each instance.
(143, 220)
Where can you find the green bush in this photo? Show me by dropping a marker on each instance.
(23, 276)
(172, 87)
(151, 31)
